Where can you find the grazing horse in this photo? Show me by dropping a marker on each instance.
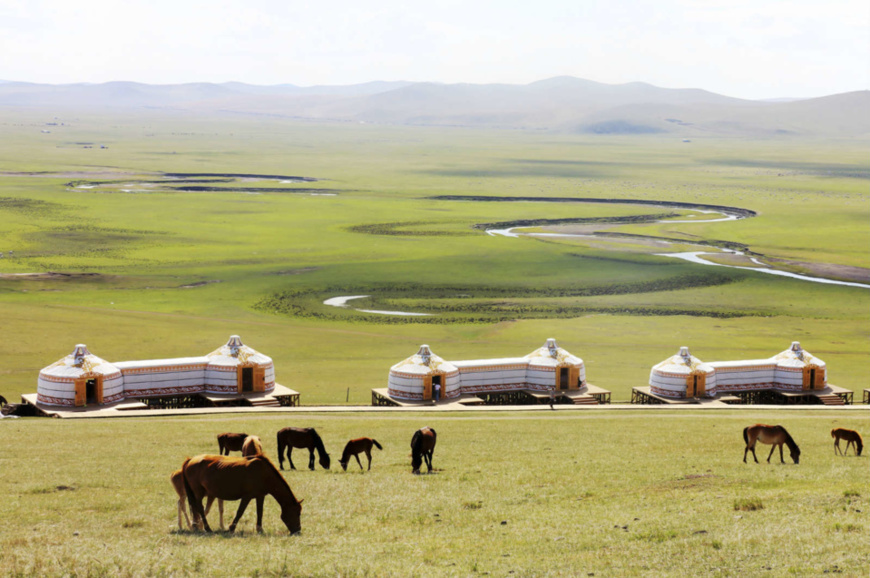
(851, 437)
(355, 447)
(178, 484)
(774, 435)
(298, 437)
(252, 446)
(422, 446)
(245, 479)
(230, 442)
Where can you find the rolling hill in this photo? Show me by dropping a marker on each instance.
(560, 104)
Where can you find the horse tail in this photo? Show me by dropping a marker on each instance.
(859, 442)
(195, 505)
(746, 436)
(377, 445)
(415, 441)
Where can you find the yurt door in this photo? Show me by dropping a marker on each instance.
(259, 379)
(247, 379)
(91, 391)
(819, 378)
(563, 377)
(691, 385)
(81, 393)
(574, 378)
(427, 388)
(700, 385)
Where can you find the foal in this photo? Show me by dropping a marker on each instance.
(355, 447)
(851, 437)
(178, 484)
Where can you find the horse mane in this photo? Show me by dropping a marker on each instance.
(271, 465)
(790, 442)
(345, 455)
(318, 442)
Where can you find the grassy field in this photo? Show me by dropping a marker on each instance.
(613, 493)
(157, 272)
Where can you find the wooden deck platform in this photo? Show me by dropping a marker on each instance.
(831, 395)
(592, 395)
(867, 396)
(279, 397)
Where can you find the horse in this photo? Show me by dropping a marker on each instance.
(851, 437)
(178, 484)
(770, 434)
(422, 446)
(252, 446)
(297, 437)
(354, 447)
(230, 442)
(245, 479)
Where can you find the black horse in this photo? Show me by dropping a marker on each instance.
(301, 437)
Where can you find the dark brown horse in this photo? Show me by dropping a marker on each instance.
(851, 437)
(774, 435)
(422, 447)
(357, 446)
(230, 442)
(245, 479)
(297, 437)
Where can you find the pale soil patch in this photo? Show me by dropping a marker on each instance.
(71, 174)
(828, 270)
(47, 275)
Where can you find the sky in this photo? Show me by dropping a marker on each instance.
(743, 48)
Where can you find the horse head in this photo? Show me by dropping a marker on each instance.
(343, 465)
(291, 517)
(796, 455)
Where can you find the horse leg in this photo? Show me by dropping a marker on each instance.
(772, 448)
(182, 509)
(311, 459)
(854, 448)
(837, 446)
(242, 506)
(428, 456)
(369, 457)
(290, 457)
(260, 501)
(359, 462)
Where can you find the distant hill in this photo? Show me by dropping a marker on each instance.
(561, 104)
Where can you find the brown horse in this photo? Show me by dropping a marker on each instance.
(774, 435)
(297, 437)
(245, 479)
(851, 437)
(422, 447)
(252, 446)
(178, 484)
(357, 446)
(230, 442)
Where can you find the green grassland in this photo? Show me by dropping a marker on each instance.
(565, 493)
(157, 272)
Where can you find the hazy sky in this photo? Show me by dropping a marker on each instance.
(743, 48)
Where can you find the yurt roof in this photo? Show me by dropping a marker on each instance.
(796, 356)
(78, 363)
(234, 352)
(683, 362)
(488, 362)
(423, 362)
(550, 354)
(173, 362)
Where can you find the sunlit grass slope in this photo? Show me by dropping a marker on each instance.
(159, 272)
(525, 494)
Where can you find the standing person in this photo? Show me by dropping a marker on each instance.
(437, 392)
(552, 397)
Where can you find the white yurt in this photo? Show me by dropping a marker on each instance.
(78, 379)
(416, 377)
(683, 375)
(798, 369)
(235, 367)
(550, 366)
